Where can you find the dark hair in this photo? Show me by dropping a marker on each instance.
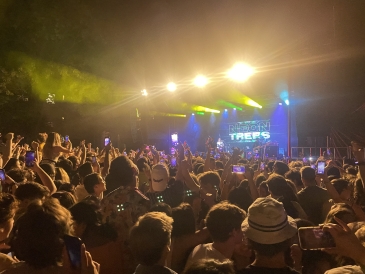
(67, 187)
(294, 176)
(307, 173)
(280, 188)
(340, 185)
(73, 160)
(240, 196)
(342, 211)
(269, 250)
(259, 180)
(149, 236)
(270, 164)
(222, 218)
(121, 173)
(209, 177)
(17, 174)
(210, 266)
(8, 205)
(219, 165)
(90, 181)
(38, 239)
(65, 198)
(334, 171)
(31, 191)
(200, 169)
(184, 220)
(66, 164)
(49, 169)
(11, 164)
(85, 169)
(281, 168)
(162, 207)
(88, 212)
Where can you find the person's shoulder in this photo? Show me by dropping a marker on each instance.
(353, 269)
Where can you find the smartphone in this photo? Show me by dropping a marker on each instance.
(238, 169)
(320, 167)
(173, 162)
(73, 246)
(315, 238)
(93, 159)
(2, 175)
(67, 138)
(106, 141)
(262, 166)
(29, 158)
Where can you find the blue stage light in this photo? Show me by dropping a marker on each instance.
(287, 102)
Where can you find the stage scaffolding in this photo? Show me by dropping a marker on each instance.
(336, 153)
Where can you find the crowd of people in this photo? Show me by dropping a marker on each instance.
(67, 209)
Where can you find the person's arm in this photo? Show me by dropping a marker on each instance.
(251, 183)
(207, 160)
(8, 148)
(346, 242)
(156, 157)
(105, 170)
(190, 183)
(330, 188)
(83, 152)
(45, 179)
(358, 152)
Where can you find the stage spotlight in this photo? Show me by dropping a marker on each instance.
(171, 86)
(252, 103)
(200, 81)
(234, 108)
(240, 72)
(200, 113)
(225, 110)
(204, 109)
(144, 92)
(287, 102)
(193, 114)
(280, 104)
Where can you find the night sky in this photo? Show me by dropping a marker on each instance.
(315, 47)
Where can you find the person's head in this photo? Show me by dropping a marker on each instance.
(259, 179)
(18, 175)
(196, 165)
(240, 196)
(160, 177)
(65, 164)
(65, 198)
(270, 165)
(184, 220)
(219, 165)
(28, 192)
(84, 170)
(209, 183)
(53, 139)
(162, 207)
(268, 228)
(61, 175)
(224, 221)
(342, 211)
(42, 137)
(8, 207)
(210, 266)
(49, 169)
(75, 162)
(294, 176)
(39, 236)
(150, 238)
(308, 176)
(94, 184)
(343, 187)
(280, 168)
(263, 190)
(123, 172)
(86, 216)
(334, 171)
(12, 164)
(278, 186)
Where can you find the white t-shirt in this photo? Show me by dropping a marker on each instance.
(205, 251)
(81, 193)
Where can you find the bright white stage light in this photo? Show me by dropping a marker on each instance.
(144, 92)
(171, 86)
(200, 81)
(287, 102)
(240, 72)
